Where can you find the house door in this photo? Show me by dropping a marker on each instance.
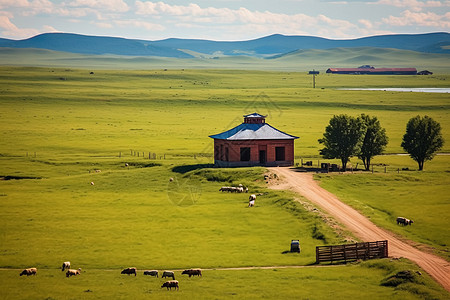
(262, 157)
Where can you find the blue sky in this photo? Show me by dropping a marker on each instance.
(222, 19)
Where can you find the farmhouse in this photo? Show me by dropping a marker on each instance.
(253, 143)
(369, 70)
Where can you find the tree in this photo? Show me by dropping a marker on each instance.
(342, 138)
(374, 139)
(422, 139)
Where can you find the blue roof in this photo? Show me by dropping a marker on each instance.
(247, 131)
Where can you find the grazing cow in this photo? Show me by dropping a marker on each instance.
(129, 271)
(404, 221)
(71, 272)
(192, 272)
(171, 284)
(168, 274)
(65, 265)
(252, 197)
(151, 273)
(28, 272)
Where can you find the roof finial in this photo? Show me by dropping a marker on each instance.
(254, 118)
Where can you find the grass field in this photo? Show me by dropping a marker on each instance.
(58, 126)
(297, 61)
(420, 196)
(353, 281)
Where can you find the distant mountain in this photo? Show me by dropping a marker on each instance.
(269, 46)
(83, 44)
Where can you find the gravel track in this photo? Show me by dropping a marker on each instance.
(304, 184)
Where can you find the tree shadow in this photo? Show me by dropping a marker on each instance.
(187, 168)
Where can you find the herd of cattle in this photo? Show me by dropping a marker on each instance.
(240, 189)
(191, 272)
(129, 271)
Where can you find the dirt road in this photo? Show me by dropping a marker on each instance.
(362, 227)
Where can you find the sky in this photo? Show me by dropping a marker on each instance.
(222, 20)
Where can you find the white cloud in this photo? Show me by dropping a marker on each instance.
(428, 19)
(139, 24)
(9, 29)
(366, 23)
(107, 5)
(13, 3)
(414, 5)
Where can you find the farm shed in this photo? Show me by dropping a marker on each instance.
(373, 71)
(253, 143)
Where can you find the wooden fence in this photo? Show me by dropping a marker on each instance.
(339, 253)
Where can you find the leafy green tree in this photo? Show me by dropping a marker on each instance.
(423, 138)
(374, 139)
(342, 138)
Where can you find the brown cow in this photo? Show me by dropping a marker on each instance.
(129, 271)
(192, 272)
(28, 272)
(72, 272)
(171, 284)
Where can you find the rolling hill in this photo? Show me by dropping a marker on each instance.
(187, 48)
(300, 60)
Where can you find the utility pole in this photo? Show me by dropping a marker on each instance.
(314, 73)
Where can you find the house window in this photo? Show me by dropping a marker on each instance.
(279, 154)
(245, 154)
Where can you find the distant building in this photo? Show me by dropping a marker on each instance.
(369, 70)
(253, 143)
(425, 72)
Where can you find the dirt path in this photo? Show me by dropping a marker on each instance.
(363, 228)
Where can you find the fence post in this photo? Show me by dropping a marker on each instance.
(317, 255)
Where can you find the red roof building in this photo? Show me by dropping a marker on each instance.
(253, 143)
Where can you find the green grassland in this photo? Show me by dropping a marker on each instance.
(58, 126)
(420, 196)
(300, 60)
(366, 280)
